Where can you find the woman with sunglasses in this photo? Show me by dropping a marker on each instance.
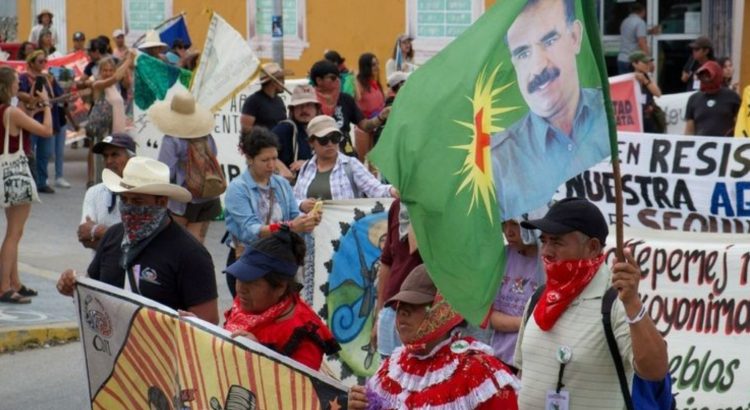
(41, 146)
(436, 368)
(331, 175)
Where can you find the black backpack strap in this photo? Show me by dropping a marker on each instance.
(607, 302)
(532, 303)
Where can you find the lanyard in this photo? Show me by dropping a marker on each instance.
(564, 355)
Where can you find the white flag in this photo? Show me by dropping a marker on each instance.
(227, 65)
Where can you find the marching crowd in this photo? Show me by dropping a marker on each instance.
(147, 220)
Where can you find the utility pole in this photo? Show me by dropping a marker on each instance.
(277, 33)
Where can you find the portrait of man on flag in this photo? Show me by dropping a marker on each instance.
(565, 130)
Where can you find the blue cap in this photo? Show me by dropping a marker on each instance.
(254, 264)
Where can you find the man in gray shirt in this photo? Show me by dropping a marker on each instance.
(632, 37)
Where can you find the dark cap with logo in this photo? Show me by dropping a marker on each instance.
(117, 139)
(78, 36)
(570, 215)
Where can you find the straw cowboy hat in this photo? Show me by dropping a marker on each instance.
(148, 176)
(181, 117)
(272, 70)
(151, 40)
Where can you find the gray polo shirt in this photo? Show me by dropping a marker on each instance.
(631, 29)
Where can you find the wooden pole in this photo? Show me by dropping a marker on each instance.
(619, 235)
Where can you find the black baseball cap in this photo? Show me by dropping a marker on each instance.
(322, 68)
(120, 140)
(334, 57)
(78, 35)
(570, 215)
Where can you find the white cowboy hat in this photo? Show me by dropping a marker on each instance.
(151, 40)
(180, 117)
(143, 175)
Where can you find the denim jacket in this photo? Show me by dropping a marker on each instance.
(241, 206)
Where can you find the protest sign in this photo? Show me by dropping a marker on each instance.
(626, 101)
(674, 107)
(141, 355)
(674, 182)
(347, 244)
(695, 288)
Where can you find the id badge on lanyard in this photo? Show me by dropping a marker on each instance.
(559, 398)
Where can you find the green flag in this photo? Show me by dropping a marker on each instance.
(488, 129)
(154, 77)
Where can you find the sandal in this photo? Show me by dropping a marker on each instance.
(28, 292)
(13, 297)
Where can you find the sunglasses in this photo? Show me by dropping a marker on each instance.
(333, 137)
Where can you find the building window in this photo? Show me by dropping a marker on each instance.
(435, 23)
(142, 15)
(294, 22)
(9, 21)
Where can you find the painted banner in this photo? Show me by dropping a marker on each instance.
(141, 355)
(347, 246)
(674, 182)
(626, 102)
(674, 107)
(695, 288)
(227, 65)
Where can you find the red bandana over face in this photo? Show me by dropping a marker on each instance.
(565, 281)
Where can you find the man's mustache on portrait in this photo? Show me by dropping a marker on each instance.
(547, 75)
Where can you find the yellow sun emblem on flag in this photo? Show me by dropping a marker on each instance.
(477, 167)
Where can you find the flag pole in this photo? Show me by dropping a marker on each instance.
(158, 26)
(619, 220)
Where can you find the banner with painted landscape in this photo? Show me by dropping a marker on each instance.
(142, 355)
(695, 287)
(341, 280)
(673, 182)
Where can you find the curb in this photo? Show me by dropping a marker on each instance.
(20, 338)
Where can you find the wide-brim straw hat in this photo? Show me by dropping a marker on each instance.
(273, 70)
(181, 117)
(143, 175)
(151, 40)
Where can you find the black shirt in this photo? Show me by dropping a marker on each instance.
(345, 114)
(285, 131)
(713, 114)
(174, 269)
(268, 111)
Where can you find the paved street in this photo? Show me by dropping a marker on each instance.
(54, 377)
(44, 378)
